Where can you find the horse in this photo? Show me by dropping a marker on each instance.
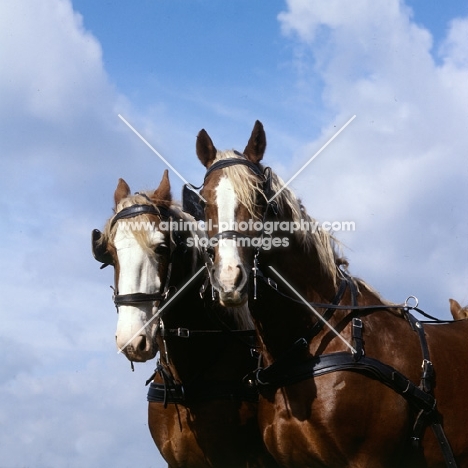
(348, 379)
(199, 414)
(458, 312)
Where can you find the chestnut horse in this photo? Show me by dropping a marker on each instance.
(355, 387)
(200, 414)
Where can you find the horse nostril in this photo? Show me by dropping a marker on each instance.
(239, 277)
(142, 344)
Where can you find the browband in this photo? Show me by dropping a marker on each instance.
(222, 163)
(136, 210)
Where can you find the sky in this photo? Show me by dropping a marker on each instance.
(170, 68)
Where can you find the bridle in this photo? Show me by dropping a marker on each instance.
(193, 205)
(139, 298)
(104, 257)
(171, 391)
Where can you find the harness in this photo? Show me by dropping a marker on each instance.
(170, 391)
(295, 365)
(198, 389)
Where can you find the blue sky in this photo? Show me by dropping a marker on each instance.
(171, 68)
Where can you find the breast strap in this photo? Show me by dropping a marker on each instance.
(294, 366)
(195, 393)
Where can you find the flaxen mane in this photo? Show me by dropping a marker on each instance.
(247, 187)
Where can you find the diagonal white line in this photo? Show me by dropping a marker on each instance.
(157, 153)
(155, 316)
(312, 158)
(315, 312)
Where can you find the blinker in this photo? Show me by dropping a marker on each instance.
(99, 249)
(192, 203)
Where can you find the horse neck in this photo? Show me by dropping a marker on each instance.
(185, 263)
(207, 356)
(301, 268)
(281, 321)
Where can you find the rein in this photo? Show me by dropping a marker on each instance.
(258, 275)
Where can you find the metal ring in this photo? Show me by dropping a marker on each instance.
(257, 378)
(407, 304)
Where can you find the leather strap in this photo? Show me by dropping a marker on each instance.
(188, 333)
(275, 375)
(358, 342)
(223, 163)
(207, 391)
(136, 210)
(273, 285)
(444, 445)
(327, 315)
(136, 298)
(428, 369)
(230, 235)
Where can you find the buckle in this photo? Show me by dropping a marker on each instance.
(426, 364)
(357, 322)
(183, 332)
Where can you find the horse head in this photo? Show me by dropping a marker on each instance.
(137, 241)
(233, 194)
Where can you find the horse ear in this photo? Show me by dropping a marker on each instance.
(122, 191)
(455, 309)
(163, 192)
(206, 151)
(257, 144)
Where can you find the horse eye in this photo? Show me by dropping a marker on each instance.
(162, 249)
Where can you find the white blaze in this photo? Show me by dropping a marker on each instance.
(229, 259)
(138, 274)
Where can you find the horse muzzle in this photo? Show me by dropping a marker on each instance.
(231, 285)
(139, 349)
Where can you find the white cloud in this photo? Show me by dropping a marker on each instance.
(399, 169)
(54, 66)
(92, 415)
(67, 398)
(454, 50)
